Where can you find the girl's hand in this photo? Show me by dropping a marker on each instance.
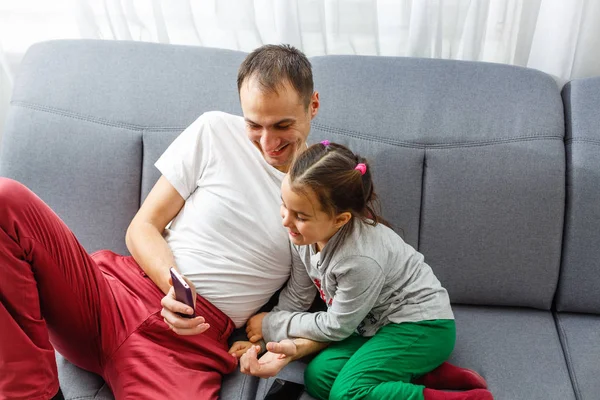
(279, 355)
(239, 348)
(254, 327)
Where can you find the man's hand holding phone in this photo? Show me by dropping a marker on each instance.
(179, 305)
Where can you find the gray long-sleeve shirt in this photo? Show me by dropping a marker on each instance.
(368, 280)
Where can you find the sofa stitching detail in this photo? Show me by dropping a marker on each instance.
(98, 391)
(143, 148)
(326, 128)
(244, 384)
(565, 345)
(358, 135)
(95, 120)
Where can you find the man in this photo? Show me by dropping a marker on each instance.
(213, 215)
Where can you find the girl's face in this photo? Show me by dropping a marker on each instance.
(304, 219)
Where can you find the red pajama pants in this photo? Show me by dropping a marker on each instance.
(101, 312)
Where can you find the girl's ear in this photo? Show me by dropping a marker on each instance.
(342, 219)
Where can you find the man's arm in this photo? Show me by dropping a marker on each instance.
(144, 235)
(303, 348)
(145, 242)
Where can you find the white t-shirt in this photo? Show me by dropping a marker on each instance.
(228, 238)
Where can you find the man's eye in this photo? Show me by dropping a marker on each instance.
(253, 126)
(282, 127)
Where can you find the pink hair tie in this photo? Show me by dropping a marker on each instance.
(326, 143)
(362, 168)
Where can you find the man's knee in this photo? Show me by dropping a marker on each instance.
(12, 193)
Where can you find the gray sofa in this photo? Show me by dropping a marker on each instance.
(491, 171)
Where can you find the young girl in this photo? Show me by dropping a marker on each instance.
(387, 314)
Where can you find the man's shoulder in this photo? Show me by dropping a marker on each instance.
(221, 126)
(219, 117)
(218, 126)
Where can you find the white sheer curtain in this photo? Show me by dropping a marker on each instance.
(560, 37)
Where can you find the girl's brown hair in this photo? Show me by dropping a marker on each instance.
(329, 169)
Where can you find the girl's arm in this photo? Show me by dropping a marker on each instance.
(297, 295)
(299, 292)
(359, 282)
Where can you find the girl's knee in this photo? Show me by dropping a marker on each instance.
(314, 382)
(312, 373)
(341, 393)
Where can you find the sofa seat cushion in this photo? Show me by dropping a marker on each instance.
(517, 351)
(79, 384)
(580, 336)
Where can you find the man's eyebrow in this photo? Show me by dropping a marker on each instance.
(283, 121)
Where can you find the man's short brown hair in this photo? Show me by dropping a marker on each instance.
(273, 65)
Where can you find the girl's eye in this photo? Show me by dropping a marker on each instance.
(300, 218)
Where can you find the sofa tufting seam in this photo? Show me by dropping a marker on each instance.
(244, 384)
(96, 120)
(399, 143)
(583, 140)
(562, 337)
(422, 199)
(143, 145)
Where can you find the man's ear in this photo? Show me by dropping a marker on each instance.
(342, 219)
(314, 105)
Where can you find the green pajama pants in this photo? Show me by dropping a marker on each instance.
(381, 367)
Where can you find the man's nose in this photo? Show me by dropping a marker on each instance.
(269, 140)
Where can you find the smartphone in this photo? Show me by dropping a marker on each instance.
(183, 292)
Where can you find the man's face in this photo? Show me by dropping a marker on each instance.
(276, 123)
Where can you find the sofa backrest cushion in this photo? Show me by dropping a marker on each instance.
(469, 162)
(89, 118)
(468, 157)
(580, 270)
